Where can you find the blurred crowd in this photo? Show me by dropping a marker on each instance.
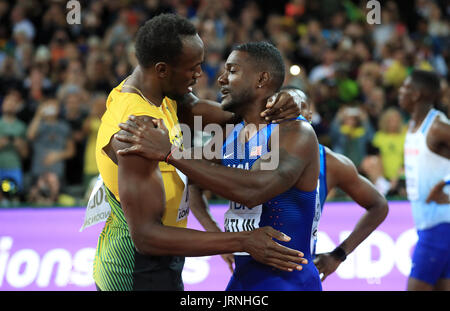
(55, 77)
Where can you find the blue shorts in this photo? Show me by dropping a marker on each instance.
(250, 275)
(431, 258)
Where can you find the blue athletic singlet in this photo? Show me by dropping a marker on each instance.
(423, 169)
(291, 212)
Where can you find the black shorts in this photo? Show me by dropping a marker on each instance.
(152, 273)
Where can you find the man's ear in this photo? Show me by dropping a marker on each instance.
(162, 69)
(264, 79)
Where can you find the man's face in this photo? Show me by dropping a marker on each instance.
(405, 95)
(50, 109)
(237, 82)
(187, 69)
(10, 104)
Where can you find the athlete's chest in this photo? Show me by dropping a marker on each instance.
(242, 153)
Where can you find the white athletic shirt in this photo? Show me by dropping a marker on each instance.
(423, 170)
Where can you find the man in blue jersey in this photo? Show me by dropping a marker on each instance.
(284, 197)
(336, 171)
(427, 163)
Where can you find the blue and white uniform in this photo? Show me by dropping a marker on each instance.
(423, 170)
(322, 189)
(291, 212)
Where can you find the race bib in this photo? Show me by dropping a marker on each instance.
(241, 218)
(183, 209)
(98, 208)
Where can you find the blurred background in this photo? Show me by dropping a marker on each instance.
(55, 77)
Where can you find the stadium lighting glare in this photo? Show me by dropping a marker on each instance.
(295, 70)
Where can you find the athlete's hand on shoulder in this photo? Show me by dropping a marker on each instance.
(282, 106)
(438, 195)
(326, 264)
(148, 138)
(261, 246)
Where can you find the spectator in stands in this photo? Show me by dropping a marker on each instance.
(389, 140)
(10, 75)
(20, 22)
(74, 115)
(37, 85)
(326, 69)
(52, 145)
(350, 133)
(13, 145)
(343, 60)
(46, 190)
(90, 128)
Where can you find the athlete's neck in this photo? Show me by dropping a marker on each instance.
(252, 118)
(147, 85)
(419, 114)
(252, 112)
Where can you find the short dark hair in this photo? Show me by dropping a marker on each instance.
(267, 58)
(428, 82)
(160, 39)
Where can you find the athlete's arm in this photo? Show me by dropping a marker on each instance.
(437, 193)
(438, 138)
(198, 205)
(210, 111)
(297, 146)
(342, 173)
(141, 192)
(284, 105)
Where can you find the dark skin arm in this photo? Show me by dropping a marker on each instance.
(198, 205)
(438, 195)
(141, 192)
(297, 150)
(282, 106)
(438, 140)
(342, 173)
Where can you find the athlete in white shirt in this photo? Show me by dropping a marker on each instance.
(427, 163)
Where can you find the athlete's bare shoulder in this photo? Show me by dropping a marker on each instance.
(114, 145)
(438, 138)
(336, 159)
(292, 125)
(298, 136)
(340, 169)
(299, 130)
(299, 141)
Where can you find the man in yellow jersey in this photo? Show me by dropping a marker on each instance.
(144, 241)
